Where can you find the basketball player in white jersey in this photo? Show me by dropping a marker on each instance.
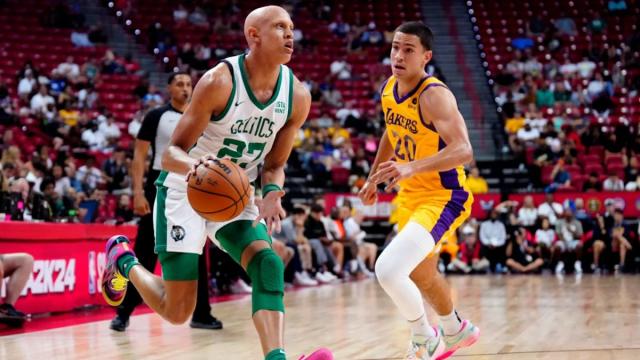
(248, 109)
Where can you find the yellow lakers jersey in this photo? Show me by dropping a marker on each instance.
(414, 137)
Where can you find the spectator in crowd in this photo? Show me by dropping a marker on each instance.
(528, 135)
(332, 97)
(134, 126)
(493, 236)
(521, 256)
(600, 240)
(61, 182)
(292, 233)
(613, 183)
(560, 177)
(586, 67)
(69, 69)
(26, 85)
(336, 247)
(89, 175)
(180, 15)
(570, 232)
(339, 28)
(116, 172)
(469, 257)
(371, 36)
(544, 96)
(597, 25)
(124, 212)
(593, 183)
(109, 130)
(528, 213)
(340, 69)
(55, 203)
(40, 100)
(632, 170)
(550, 209)
(544, 238)
(620, 243)
(365, 252)
(93, 138)
(476, 183)
(18, 267)
(633, 185)
(566, 26)
(316, 231)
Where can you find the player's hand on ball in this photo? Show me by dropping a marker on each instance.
(205, 160)
(391, 172)
(369, 193)
(270, 209)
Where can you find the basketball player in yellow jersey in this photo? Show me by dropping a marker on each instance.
(423, 150)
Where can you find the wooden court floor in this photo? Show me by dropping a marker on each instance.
(521, 317)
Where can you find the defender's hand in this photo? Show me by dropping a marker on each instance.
(392, 172)
(369, 193)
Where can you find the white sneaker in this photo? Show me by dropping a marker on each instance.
(431, 350)
(368, 273)
(241, 287)
(305, 275)
(300, 280)
(329, 275)
(577, 266)
(560, 267)
(322, 278)
(353, 266)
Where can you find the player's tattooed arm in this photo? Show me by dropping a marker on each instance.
(210, 97)
(274, 163)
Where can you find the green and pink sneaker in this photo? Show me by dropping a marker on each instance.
(432, 349)
(114, 283)
(466, 337)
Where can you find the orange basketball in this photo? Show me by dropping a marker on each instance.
(219, 193)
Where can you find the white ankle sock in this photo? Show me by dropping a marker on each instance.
(451, 323)
(421, 330)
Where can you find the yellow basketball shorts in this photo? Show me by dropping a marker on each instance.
(440, 212)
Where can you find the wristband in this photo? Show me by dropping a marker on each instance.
(269, 188)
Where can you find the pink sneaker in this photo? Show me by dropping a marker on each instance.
(114, 284)
(320, 354)
(466, 337)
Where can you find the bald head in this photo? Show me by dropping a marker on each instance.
(261, 18)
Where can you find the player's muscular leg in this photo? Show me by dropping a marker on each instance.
(269, 324)
(173, 300)
(432, 285)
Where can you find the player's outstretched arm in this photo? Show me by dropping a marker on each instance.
(274, 163)
(210, 97)
(439, 105)
(369, 192)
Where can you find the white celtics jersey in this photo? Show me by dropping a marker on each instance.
(246, 129)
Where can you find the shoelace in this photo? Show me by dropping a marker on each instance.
(118, 283)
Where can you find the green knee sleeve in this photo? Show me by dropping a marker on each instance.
(179, 266)
(236, 236)
(266, 272)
